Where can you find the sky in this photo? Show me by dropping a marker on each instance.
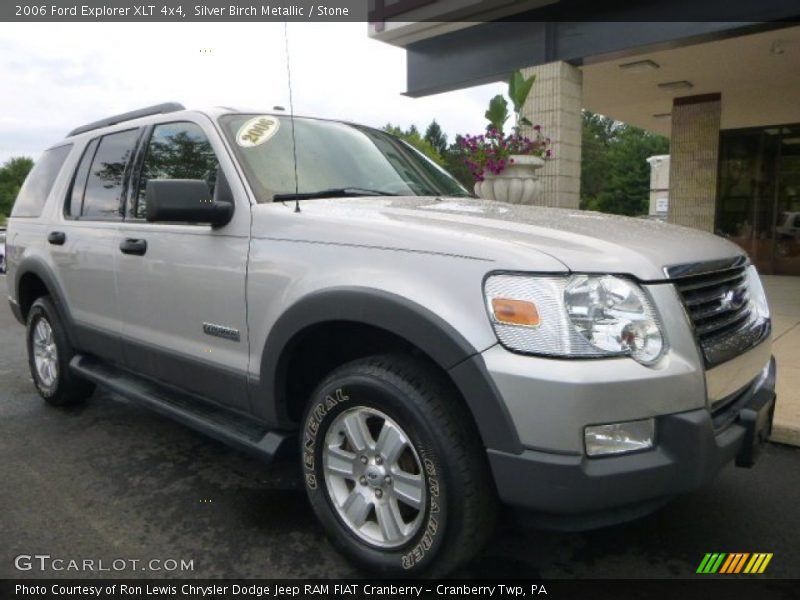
(55, 77)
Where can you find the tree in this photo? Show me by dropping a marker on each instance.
(597, 134)
(615, 176)
(12, 175)
(436, 138)
(454, 162)
(413, 137)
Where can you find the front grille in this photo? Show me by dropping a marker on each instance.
(717, 301)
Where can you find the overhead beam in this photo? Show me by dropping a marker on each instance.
(488, 52)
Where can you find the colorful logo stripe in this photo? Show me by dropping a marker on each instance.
(735, 562)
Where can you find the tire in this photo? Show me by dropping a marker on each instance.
(438, 506)
(47, 338)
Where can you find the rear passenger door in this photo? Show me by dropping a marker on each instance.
(86, 254)
(185, 286)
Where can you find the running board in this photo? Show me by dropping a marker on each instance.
(198, 413)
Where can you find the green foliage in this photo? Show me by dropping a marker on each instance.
(615, 176)
(518, 90)
(455, 163)
(413, 137)
(12, 175)
(436, 138)
(497, 115)
(434, 145)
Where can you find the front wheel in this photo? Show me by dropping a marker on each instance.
(394, 468)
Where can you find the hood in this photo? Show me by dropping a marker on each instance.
(583, 241)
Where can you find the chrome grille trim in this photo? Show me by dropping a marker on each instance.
(716, 298)
(699, 268)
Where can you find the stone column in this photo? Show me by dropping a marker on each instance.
(694, 160)
(555, 103)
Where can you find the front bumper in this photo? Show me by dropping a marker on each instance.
(691, 448)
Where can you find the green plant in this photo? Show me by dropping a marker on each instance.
(493, 150)
(519, 88)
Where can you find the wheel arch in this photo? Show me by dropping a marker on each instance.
(388, 322)
(32, 279)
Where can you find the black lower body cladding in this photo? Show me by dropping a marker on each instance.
(690, 450)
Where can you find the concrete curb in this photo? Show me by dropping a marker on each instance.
(785, 434)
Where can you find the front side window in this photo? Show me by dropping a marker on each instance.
(330, 156)
(106, 180)
(176, 151)
(34, 192)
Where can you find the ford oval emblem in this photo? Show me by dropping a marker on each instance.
(733, 299)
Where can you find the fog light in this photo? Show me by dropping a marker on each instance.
(618, 438)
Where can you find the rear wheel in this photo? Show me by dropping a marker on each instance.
(394, 468)
(49, 353)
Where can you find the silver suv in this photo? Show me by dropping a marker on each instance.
(321, 289)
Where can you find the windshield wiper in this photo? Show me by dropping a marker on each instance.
(331, 193)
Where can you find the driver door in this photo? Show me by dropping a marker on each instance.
(181, 286)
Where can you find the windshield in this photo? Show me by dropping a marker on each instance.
(331, 157)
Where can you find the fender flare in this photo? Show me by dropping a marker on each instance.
(36, 266)
(406, 320)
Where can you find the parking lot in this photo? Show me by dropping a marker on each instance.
(110, 480)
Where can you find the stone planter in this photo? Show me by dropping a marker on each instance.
(518, 183)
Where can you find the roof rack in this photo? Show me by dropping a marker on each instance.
(157, 109)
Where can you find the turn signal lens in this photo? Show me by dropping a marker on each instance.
(515, 312)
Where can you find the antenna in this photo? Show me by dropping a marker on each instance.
(291, 117)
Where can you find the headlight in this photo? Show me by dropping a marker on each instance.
(577, 316)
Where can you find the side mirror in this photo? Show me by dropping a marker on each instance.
(185, 201)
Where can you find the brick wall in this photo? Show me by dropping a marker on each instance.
(694, 156)
(555, 104)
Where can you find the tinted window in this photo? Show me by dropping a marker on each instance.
(104, 186)
(37, 186)
(75, 199)
(176, 151)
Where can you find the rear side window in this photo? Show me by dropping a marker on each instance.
(105, 183)
(75, 199)
(34, 192)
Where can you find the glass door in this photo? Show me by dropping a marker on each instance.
(786, 257)
(758, 199)
(746, 192)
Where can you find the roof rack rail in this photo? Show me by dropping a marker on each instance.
(156, 109)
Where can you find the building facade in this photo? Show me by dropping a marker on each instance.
(727, 94)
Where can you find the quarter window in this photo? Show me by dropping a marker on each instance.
(176, 151)
(37, 186)
(106, 180)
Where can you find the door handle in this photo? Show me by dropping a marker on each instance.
(133, 246)
(57, 238)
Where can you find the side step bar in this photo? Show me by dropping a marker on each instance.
(198, 413)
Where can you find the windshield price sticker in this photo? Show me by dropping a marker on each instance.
(257, 130)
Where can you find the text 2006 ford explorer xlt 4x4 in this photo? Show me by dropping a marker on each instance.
(426, 354)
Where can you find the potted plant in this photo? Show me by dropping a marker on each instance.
(505, 166)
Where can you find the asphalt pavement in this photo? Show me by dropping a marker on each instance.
(110, 481)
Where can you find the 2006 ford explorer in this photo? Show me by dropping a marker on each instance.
(322, 290)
